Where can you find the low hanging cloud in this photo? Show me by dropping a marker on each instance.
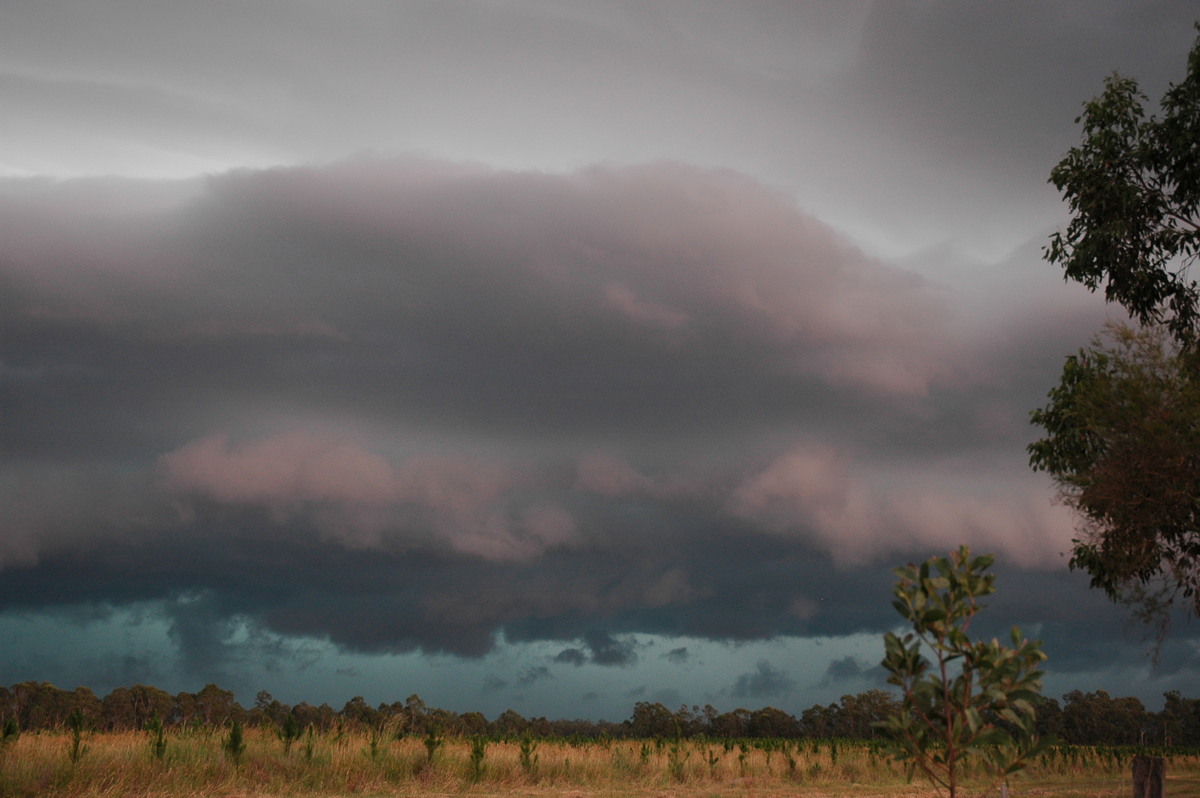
(572, 656)
(844, 669)
(534, 674)
(765, 681)
(600, 648)
(678, 656)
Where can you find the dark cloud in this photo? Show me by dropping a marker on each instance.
(572, 656)
(532, 674)
(678, 656)
(765, 681)
(413, 404)
(406, 405)
(607, 650)
(840, 670)
(358, 300)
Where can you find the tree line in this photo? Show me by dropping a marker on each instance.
(1093, 718)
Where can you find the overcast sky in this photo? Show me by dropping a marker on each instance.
(551, 356)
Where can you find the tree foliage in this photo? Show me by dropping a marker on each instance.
(1123, 445)
(1109, 720)
(1133, 187)
(1122, 425)
(952, 706)
(1100, 717)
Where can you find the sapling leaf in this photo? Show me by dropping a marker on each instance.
(948, 704)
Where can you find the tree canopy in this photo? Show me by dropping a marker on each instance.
(1082, 719)
(1123, 445)
(1123, 424)
(1133, 187)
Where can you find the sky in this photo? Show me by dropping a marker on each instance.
(536, 355)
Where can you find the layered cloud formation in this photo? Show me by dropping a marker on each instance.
(410, 403)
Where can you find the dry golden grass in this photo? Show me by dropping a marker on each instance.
(195, 764)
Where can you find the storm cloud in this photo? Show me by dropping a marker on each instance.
(558, 346)
(415, 405)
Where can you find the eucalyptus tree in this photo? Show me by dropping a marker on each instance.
(1122, 425)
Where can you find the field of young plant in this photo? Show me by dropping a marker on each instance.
(204, 763)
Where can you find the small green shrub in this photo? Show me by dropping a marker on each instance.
(235, 742)
(76, 723)
(528, 755)
(677, 757)
(158, 739)
(375, 739)
(309, 744)
(946, 720)
(11, 730)
(289, 732)
(478, 751)
(433, 741)
(714, 759)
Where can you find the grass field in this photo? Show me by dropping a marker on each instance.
(197, 763)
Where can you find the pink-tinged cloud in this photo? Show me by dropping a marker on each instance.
(696, 256)
(501, 539)
(606, 474)
(623, 300)
(360, 498)
(815, 491)
(287, 469)
(684, 248)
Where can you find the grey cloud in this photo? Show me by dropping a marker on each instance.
(534, 673)
(606, 650)
(678, 656)
(571, 656)
(842, 669)
(291, 582)
(439, 295)
(965, 53)
(656, 307)
(669, 697)
(764, 681)
(984, 100)
(883, 115)
(1177, 658)
(376, 76)
(408, 405)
